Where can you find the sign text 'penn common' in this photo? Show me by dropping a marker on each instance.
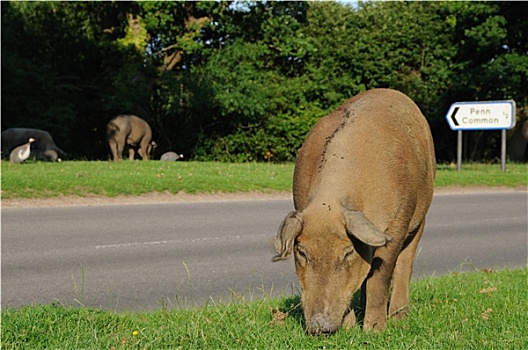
(491, 115)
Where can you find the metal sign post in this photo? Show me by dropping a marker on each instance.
(459, 150)
(484, 115)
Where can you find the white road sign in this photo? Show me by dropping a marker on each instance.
(482, 115)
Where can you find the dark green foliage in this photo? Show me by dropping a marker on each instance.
(64, 73)
(245, 81)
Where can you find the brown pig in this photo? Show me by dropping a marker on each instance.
(129, 130)
(363, 183)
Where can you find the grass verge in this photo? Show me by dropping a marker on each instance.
(479, 174)
(85, 178)
(483, 310)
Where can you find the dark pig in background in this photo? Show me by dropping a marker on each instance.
(44, 148)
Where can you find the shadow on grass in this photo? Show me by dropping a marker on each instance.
(293, 308)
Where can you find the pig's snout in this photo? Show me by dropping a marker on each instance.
(319, 324)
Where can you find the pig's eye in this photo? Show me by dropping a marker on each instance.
(349, 252)
(301, 253)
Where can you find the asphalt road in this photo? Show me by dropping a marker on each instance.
(140, 257)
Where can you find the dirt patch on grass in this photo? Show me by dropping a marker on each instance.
(150, 198)
(153, 198)
(478, 189)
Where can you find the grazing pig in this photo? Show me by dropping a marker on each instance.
(363, 182)
(129, 130)
(518, 145)
(43, 148)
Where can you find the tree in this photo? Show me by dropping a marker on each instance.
(246, 80)
(491, 61)
(64, 70)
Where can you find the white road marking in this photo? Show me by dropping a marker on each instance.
(180, 241)
(136, 244)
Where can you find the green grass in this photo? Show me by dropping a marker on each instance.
(482, 310)
(478, 174)
(458, 311)
(84, 178)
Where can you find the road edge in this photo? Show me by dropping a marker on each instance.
(181, 197)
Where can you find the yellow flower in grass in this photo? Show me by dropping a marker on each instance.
(136, 332)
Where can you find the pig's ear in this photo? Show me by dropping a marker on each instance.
(290, 228)
(360, 227)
